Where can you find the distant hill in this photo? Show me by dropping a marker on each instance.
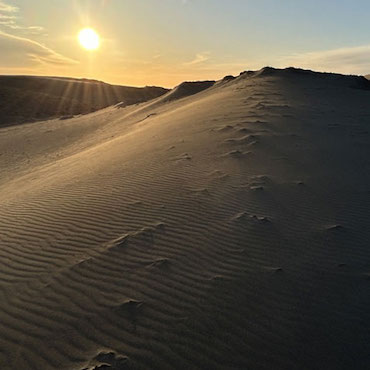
(30, 98)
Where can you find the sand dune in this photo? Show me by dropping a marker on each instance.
(32, 98)
(227, 229)
(186, 89)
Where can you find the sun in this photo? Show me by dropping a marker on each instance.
(89, 39)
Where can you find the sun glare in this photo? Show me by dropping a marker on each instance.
(89, 39)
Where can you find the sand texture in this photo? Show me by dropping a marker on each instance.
(221, 226)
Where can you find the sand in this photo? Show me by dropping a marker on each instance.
(227, 229)
(34, 98)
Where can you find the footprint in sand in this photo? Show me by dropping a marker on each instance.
(335, 228)
(108, 360)
(257, 188)
(225, 128)
(237, 154)
(161, 263)
(184, 157)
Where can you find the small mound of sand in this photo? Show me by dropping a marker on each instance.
(186, 89)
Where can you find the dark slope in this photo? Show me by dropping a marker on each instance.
(30, 98)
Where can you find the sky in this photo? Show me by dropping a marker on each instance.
(166, 42)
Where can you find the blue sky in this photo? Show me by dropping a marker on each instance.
(164, 42)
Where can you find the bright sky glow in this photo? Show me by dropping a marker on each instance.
(89, 39)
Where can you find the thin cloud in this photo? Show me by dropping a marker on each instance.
(199, 58)
(8, 8)
(11, 20)
(20, 51)
(353, 60)
(7, 16)
(29, 29)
